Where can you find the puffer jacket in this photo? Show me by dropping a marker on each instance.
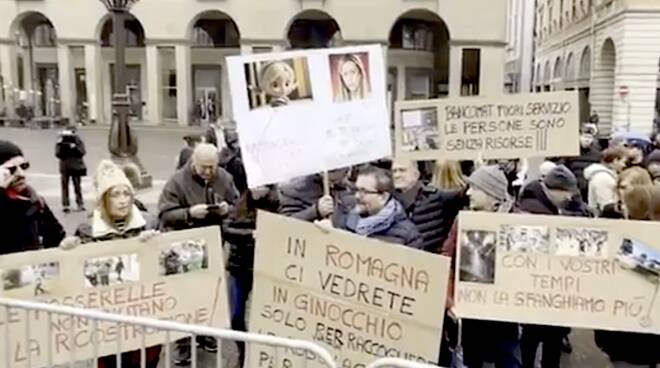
(534, 200)
(298, 199)
(400, 231)
(433, 212)
(602, 186)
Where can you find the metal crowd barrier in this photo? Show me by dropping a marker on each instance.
(95, 316)
(398, 363)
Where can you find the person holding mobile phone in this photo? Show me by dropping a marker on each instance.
(198, 195)
(26, 221)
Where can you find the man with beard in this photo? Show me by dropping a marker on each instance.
(26, 221)
(484, 341)
(377, 214)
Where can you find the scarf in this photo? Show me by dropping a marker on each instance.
(379, 222)
(100, 227)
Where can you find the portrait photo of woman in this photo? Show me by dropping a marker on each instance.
(350, 76)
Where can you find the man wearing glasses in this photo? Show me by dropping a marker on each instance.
(26, 222)
(377, 214)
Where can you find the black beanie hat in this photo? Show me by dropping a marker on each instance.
(8, 150)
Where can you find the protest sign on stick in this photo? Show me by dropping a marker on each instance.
(359, 297)
(504, 127)
(127, 277)
(305, 112)
(565, 271)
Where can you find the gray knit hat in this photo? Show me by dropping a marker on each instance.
(561, 178)
(490, 180)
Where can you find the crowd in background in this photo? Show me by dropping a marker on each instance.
(414, 204)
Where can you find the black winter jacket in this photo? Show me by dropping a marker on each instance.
(534, 200)
(588, 156)
(27, 223)
(70, 150)
(298, 199)
(432, 211)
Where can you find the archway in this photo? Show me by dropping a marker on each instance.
(569, 71)
(607, 76)
(37, 72)
(585, 64)
(557, 74)
(584, 83)
(538, 78)
(313, 29)
(546, 76)
(214, 36)
(418, 56)
(135, 64)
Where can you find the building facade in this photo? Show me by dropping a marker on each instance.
(519, 65)
(608, 50)
(58, 58)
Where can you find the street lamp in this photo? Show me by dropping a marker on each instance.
(122, 144)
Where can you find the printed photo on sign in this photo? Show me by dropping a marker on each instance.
(350, 76)
(640, 258)
(581, 242)
(109, 271)
(420, 129)
(278, 83)
(33, 276)
(183, 257)
(525, 239)
(478, 249)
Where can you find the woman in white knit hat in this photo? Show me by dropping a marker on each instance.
(116, 216)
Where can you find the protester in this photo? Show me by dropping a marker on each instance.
(215, 135)
(239, 233)
(115, 216)
(377, 214)
(589, 155)
(423, 204)
(70, 150)
(627, 180)
(602, 178)
(192, 140)
(627, 349)
(484, 341)
(448, 178)
(232, 161)
(26, 221)
(556, 194)
(303, 198)
(200, 194)
(653, 165)
(637, 146)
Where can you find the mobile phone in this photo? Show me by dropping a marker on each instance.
(213, 207)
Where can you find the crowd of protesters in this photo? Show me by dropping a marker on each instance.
(404, 202)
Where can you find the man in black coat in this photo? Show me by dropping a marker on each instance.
(589, 154)
(26, 222)
(70, 150)
(431, 210)
(557, 195)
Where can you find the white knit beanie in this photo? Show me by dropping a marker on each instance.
(108, 175)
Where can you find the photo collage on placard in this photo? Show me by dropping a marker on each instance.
(284, 82)
(639, 258)
(35, 276)
(183, 257)
(479, 248)
(111, 270)
(420, 130)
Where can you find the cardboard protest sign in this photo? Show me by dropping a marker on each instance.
(504, 127)
(304, 112)
(566, 271)
(127, 277)
(358, 297)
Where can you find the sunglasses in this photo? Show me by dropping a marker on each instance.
(24, 166)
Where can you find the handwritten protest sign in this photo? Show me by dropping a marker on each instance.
(358, 297)
(566, 271)
(303, 112)
(126, 277)
(506, 127)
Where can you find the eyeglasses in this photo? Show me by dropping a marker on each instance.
(24, 166)
(362, 191)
